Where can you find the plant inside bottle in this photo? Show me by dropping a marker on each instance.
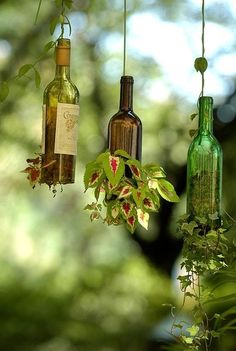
(204, 169)
(60, 122)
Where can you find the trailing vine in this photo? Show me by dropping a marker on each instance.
(205, 253)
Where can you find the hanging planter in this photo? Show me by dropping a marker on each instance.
(60, 121)
(204, 169)
(125, 127)
(55, 164)
(206, 249)
(126, 192)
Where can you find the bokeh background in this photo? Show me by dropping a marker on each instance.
(67, 284)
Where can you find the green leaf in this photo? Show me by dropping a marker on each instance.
(213, 216)
(226, 298)
(122, 153)
(125, 191)
(102, 156)
(135, 167)
(92, 174)
(193, 132)
(166, 190)
(185, 281)
(4, 91)
(190, 295)
(138, 196)
(154, 171)
(148, 204)
(193, 330)
(53, 25)
(58, 3)
(179, 326)
(126, 208)
(68, 3)
(215, 334)
(24, 69)
(155, 198)
(37, 78)
(200, 64)
(187, 340)
(49, 46)
(114, 168)
(193, 116)
(131, 223)
(189, 227)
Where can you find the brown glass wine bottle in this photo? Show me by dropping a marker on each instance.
(125, 127)
(60, 122)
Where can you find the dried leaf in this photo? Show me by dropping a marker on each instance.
(143, 218)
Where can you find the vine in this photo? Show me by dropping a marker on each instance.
(201, 63)
(205, 254)
(23, 72)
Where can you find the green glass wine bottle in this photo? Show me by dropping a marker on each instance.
(125, 127)
(60, 122)
(204, 169)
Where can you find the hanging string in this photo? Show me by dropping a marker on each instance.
(203, 42)
(124, 33)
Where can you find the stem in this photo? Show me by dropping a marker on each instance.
(203, 42)
(124, 53)
(38, 10)
(62, 14)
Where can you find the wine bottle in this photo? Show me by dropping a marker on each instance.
(204, 169)
(125, 127)
(60, 122)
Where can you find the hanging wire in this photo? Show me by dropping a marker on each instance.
(124, 33)
(203, 41)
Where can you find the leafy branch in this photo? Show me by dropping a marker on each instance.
(29, 69)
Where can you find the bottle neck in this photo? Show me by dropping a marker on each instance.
(126, 93)
(62, 72)
(205, 114)
(62, 56)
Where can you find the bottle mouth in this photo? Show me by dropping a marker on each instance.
(127, 79)
(63, 43)
(206, 99)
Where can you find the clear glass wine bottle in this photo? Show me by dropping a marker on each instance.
(60, 122)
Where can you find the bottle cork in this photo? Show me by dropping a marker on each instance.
(63, 52)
